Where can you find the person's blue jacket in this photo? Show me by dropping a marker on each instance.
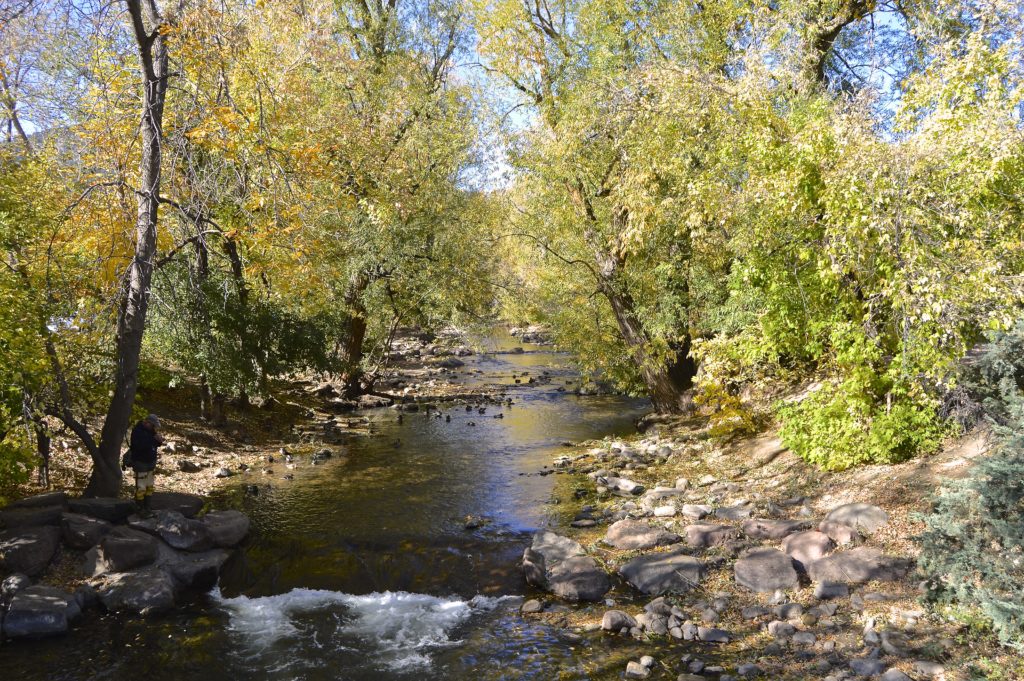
(143, 444)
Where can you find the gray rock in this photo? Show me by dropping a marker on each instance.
(806, 547)
(38, 500)
(660, 573)
(828, 590)
(737, 512)
(124, 549)
(780, 629)
(222, 472)
(616, 620)
(689, 631)
(28, 550)
(857, 566)
(105, 508)
(183, 533)
(804, 638)
(559, 565)
(187, 466)
(864, 517)
(866, 667)
(751, 612)
(932, 670)
(788, 611)
(188, 505)
(757, 528)
(695, 511)
(713, 635)
(622, 486)
(82, 531)
(704, 536)
(894, 675)
(146, 591)
(228, 528)
(531, 606)
(631, 534)
(635, 670)
(30, 516)
(11, 585)
(190, 570)
(764, 570)
(40, 611)
(840, 533)
(748, 670)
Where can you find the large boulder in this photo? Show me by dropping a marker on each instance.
(105, 508)
(660, 573)
(11, 585)
(122, 549)
(706, 536)
(192, 570)
(143, 592)
(40, 611)
(178, 531)
(39, 500)
(858, 566)
(864, 517)
(28, 550)
(227, 528)
(765, 569)
(559, 565)
(30, 516)
(82, 531)
(807, 547)
(628, 534)
(188, 505)
(757, 528)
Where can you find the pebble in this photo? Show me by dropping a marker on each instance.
(531, 606)
(647, 661)
(635, 670)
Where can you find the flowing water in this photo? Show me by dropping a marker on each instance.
(364, 568)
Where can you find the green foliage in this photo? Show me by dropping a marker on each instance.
(972, 548)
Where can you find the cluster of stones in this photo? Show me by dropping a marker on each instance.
(128, 563)
(768, 553)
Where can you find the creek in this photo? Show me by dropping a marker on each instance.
(397, 560)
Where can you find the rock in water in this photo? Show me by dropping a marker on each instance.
(765, 569)
(857, 566)
(631, 534)
(40, 611)
(193, 570)
(660, 573)
(28, 550)
(228, 528)
(146, 591)
(559, 565)
(864, 517)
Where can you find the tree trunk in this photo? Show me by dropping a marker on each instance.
(131, 321)
(205, 406)
(353, 376)
(218, 411)
(43, 450)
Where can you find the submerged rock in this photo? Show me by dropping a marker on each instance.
(228, 528)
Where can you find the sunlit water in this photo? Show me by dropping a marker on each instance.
(363, 568)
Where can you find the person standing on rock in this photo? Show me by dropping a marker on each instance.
(142, 447)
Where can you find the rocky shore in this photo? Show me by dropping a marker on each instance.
(62, 556)
(767, 568)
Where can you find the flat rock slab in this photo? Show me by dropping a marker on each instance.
(807, 547)
(757, 528)
(840, 533)
(864, 517)
(660, 573)
(858, 566)
(631, 534)
(696, 511)
(44, 499)
(737, 512)
(28, 550)
(189, 505)
(40, 611)
(765, 569)
(30, 516)
(82, 531)
(147, 591)
(178, 531)
(560, 565)
(227, 528)
(193, 570)
(705, 536)
(105, 508)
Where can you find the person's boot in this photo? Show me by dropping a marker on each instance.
(147, 507)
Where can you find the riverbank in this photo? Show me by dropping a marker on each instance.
(771, 568)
